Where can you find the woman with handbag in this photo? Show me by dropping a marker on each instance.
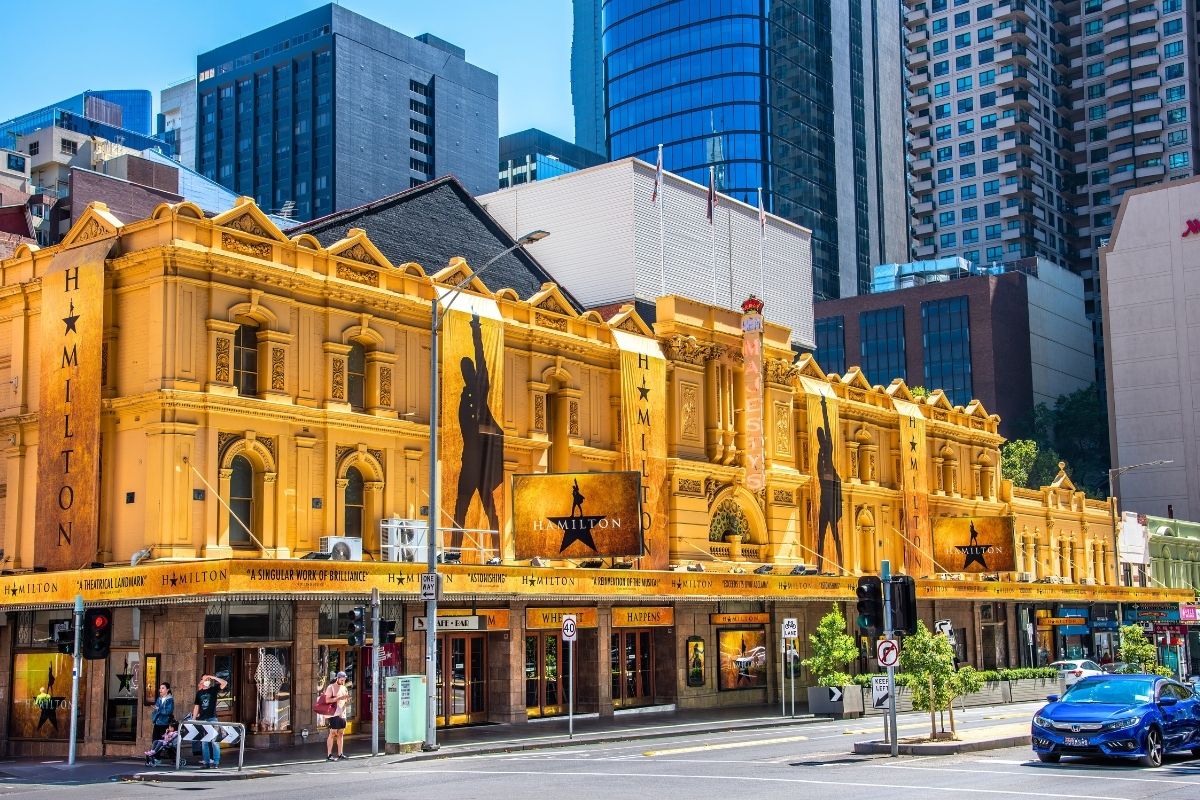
(332, 704)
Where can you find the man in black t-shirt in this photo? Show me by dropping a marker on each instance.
(205, 710)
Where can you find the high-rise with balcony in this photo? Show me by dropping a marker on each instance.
(803, 98)
(989, 130)
(1134, 91)
(330, 110)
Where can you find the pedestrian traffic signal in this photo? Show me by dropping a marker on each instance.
(357, 637)
(870, 603)
(387, 631)
(904, 604)
(97, 633)
(64, 637)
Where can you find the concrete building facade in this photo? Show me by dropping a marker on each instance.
(330, 110)
(1149, 270)
(611, 246)
(177, 120)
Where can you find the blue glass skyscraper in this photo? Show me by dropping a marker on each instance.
(803, 98)
(127, 110)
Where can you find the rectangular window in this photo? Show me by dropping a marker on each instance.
(967, 193)
(831, 344)
(68, 147)
(1172, 49)
(964, 84)
(987, 55)
(939, 25)
(942, 111)
(966, 171)
(995, 254)
(1176, 93)
(946, 340)
(970, 213)
(882, 347)
(945, 174)
(987, 99)
(966, 126)
(418, 107)
(940, 46)
(988, 143)
(964, 40)
(946, 218)
(948, 240)
(1172, 27)
(992, 231)
(1177, 137)
(945, 196)
(1177, 115)
(1178, 160)
(941, 68)
(991, 165)
(962, 19)
(941, 89)
(991, 187)
(991, 210)
(962, 62)
(966, 149)
(16, 162)
(945, 154)
(970, 236)
(943, 132)
(986, 34)
(987, 77)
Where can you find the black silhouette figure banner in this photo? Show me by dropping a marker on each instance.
(974, 544)
(577, 515)
(825, 444)
(472, 347)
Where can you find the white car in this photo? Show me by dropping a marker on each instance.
(1072, 671)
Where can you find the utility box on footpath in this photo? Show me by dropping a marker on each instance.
(404, 704)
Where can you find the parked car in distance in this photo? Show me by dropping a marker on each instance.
(1125, 716)
(1115, 667)
(1072, 671)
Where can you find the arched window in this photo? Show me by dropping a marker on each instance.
(245, 359)
(241, 502)
(356, 373)
(354, 502)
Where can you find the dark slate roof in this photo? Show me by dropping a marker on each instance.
(432, 223)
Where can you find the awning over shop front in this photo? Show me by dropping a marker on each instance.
(173, 581)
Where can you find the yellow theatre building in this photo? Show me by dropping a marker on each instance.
(214, 400)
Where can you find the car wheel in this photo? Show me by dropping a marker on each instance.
(1049, 758)
(1154, 749)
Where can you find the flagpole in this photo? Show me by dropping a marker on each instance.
(762, 232)
(712, 230)
(662, 246)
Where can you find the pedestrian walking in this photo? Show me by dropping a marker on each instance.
(339, 695)
(164, 711)
(205, 710)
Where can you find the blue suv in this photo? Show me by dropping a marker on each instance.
(1126, 716)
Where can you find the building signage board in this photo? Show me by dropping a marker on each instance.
(644, 431)
(739, 619)
(914, 468)
(577, 515)
(457, 623)
(643, 616)
(973, 544)
(71, 333)
(1134, 541)
(543, 619)
(1060, 622)
(752, 334)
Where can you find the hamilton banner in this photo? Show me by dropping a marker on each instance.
(826, 509)
(974, 544)
(644, 437)
(472, 345)
(71, 333)
(914, 473)
(577, 515)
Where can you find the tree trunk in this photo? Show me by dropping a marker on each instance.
(953, 730)
(932, 711)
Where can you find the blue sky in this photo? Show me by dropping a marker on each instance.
(121, 44)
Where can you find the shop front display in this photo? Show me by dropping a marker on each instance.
(41, 696)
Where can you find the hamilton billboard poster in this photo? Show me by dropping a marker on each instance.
(973, 544)
(577, 515)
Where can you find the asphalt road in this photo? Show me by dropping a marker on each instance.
(810, 761)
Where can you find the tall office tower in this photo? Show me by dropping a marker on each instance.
(118, 115)
(803, 99)
(331, 110)
(989, 129)
(1134, 75)
(587, 77)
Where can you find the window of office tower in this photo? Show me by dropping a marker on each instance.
(882, 345)
(946, 330)
(694, 77)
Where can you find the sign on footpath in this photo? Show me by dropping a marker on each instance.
(791, 628)
(879, 691)
(888, 652)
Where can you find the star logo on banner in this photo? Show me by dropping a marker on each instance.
(174, 580)
(124, 678)
(644, 390)
(912, 445)
(70, 320)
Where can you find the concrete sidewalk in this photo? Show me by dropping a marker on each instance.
(992, 737)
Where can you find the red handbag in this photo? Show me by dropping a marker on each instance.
(324, 706)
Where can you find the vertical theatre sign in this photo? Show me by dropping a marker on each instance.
(914, 473)
(644, 433)
(752, 333)
(71, 338)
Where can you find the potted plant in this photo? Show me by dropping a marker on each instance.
(832, 651)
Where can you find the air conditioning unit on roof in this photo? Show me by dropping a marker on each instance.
(342, 548)
(404, 540)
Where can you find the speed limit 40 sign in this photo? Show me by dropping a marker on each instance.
(568, 627)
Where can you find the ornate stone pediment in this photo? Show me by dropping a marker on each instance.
(690, 350)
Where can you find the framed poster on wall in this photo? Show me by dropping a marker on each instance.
(743, 659)
(695, 661)
(150, 684)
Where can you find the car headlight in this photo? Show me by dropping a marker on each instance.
(1042, 722)
(1122, 724)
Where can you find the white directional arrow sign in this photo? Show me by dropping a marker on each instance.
(230, 734)
(835, 694)
(210, 732)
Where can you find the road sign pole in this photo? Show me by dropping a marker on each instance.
(76, 668)
(792, 674)
(783, 665)
(375, 604)
(569, 632)
(886, 575)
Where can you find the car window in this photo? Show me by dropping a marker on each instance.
(1184, 692)
(1117, 691)
(1175, 690)
(1091, 665)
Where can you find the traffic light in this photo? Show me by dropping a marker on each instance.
(64, 637)
(358, 627)
(904, 605)
(387, 631)
(870, 603)
(97, 633)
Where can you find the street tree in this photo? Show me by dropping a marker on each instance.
(832, 650)
(928, 661)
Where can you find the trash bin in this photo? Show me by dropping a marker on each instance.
(405, 700)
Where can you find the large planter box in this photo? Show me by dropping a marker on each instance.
(1032, 689)
(850, 704)
(903, 701)
(992, 694)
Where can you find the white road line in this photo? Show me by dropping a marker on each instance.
(723, 746)
(1041, 771)
(888, 787)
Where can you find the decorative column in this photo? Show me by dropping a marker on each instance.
(220, 356)
(271, 533)
(336, 392)
(273, 348)
(372, 515)
(714, 448)
(380, 384)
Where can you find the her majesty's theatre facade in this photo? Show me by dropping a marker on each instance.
(234, 400)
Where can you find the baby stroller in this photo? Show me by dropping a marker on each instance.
(162, 750)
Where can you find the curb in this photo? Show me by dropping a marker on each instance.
(588, 739)
(194, 777)
(942, 748)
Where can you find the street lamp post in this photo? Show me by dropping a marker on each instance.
(1113, 474)
(437, 315)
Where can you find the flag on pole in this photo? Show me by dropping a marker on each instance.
(657, 177)
(712, 194)
(762, 212)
